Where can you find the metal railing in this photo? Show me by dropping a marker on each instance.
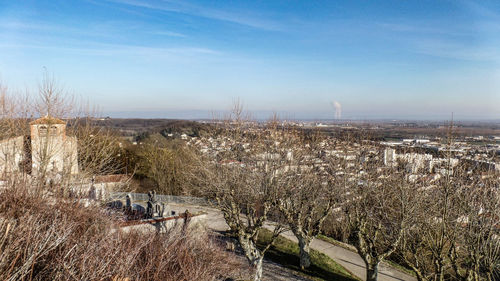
(143, 197)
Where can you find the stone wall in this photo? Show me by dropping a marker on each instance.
(162, 225)
(11, 155)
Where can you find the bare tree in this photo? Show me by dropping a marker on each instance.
(376, 206)
(53, 100)
(157, 163)
(304, 195)
(13, 113)
(305, 201)
(454, 232)
(475, 248)
(170, 164)
(428, 242)
(14, 116)
(99, 148)
(241, 183)
(85, 149)
(245, 198)
(62, 146)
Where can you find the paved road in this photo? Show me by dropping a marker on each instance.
(352, 261)
(347, 258)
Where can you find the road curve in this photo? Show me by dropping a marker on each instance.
(347, 258)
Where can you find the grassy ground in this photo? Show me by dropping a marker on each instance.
(335, 242)
(286, 253)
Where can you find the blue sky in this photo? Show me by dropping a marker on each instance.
(380, 59)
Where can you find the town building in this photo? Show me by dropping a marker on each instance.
(46, 150)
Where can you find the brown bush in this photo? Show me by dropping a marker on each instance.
(47, 238)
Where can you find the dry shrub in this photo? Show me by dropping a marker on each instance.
(48, 238)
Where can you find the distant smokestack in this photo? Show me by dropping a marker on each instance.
(338, 110)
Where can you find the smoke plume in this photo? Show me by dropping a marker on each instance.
(338, 110)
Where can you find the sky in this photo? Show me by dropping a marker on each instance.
(382, 59)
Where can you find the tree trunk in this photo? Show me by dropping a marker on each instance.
(258, 269)
(371, 271)
(305, 257)
(254, 256)
(490, 276)
(438, 263)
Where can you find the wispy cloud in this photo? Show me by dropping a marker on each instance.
(100, 30)
(423, 28)
(120, 50)
(111, 30)
(168, 33)
(447, 49)
(241, 18)
(16, 25)
(475, 41)
(480, 10)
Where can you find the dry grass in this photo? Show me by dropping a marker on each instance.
(44, 237)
